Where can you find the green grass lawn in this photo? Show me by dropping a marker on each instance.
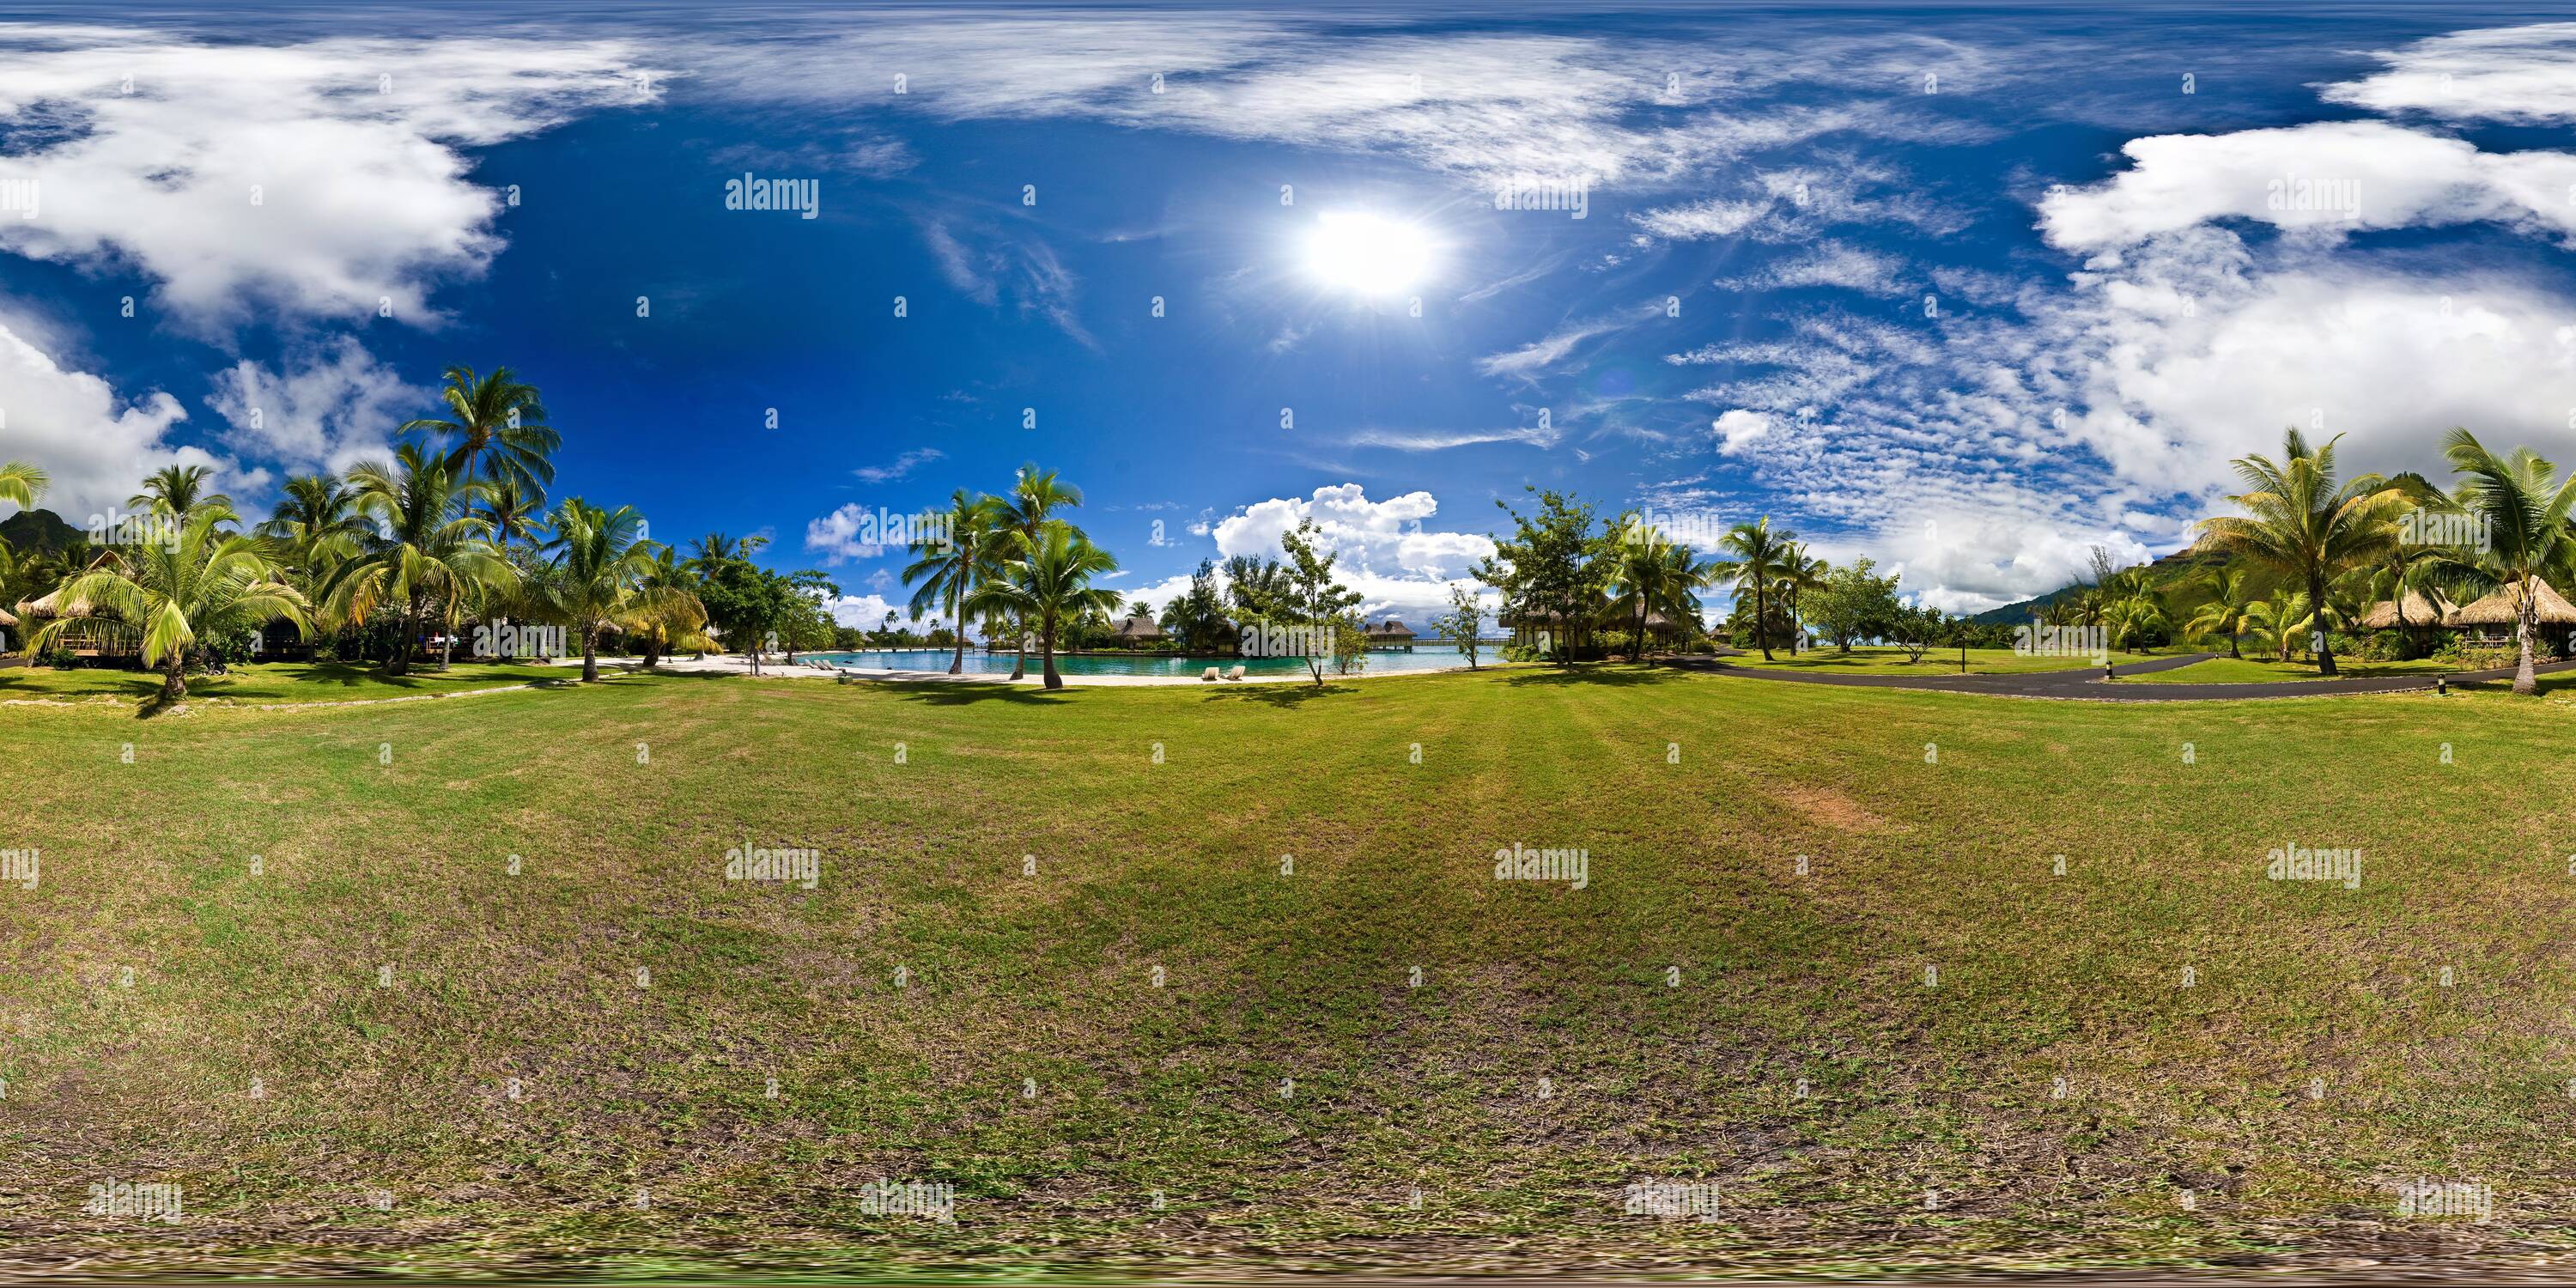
(1195, 1034)
(2229, 670)
(1880, 660)
(275, 682)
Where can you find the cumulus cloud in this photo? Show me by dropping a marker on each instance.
(2323, 180)
(1384, 551)
(326, 409)
(2524, 75)
(96, 444)
(1738, 429)
(316, 178)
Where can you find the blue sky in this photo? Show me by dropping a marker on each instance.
(1968, 290)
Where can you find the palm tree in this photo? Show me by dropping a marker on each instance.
(21, 483)
(1800, 572)
(1760, 554)
(175, 490)
(669, 611)
(1050, 583)
(2230, 593)
(2301, 526)
(886, 628)
(499, 426)
(952, 568)
(1649, 575)
(315, 526)
(2276, 620)
(598, 578)
(2521, 507)
(515, 512)
(172, 593)
(1035, 497)
(430, 545)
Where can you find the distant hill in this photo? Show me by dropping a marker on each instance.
(32, 530)
(2178, 564)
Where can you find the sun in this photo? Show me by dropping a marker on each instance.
(1368, 254)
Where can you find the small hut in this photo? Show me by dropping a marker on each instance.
(2504, 609)
(1139, 630)
(1391, 633)
(94, 637)
(2420, 613)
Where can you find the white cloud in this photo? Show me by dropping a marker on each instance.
(1384, 551)
(2523, 75)
(903, 464)
(359, 194)
(332, 407)
(96, 445)
(1535, 359)
(1434, 440)
(1829, 263)
(868, 612)
(1738, 429)
(1797, 202)
(2323, 180)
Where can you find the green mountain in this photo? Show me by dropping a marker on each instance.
(33, 530)
(2180, 563)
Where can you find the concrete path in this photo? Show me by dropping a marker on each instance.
(2086, 683)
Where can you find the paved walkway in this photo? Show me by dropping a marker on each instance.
(2086, 683)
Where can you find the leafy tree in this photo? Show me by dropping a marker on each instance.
(1551, 570)
(2226, 595)
(499, 426)
(601, 562)
(177, 593)
(1649, 574)
(747, 603)
(1195, 616)
(428, 547)
(1759, 557)
(1855, 604)
(952, 566)
(1049, 583)
(2522, 507)
(2303, 527)
(1035, 498)
(20, 483)
(1252, 582)
(1464, 621)
(1311, 601)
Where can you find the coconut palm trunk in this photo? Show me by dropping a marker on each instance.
(957, 660)
(174, 678)
(1020, 663)
(2526, 630)
(2325, 642)
(1046, 646)
(590, 653)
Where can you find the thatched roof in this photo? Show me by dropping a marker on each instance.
(8, 618)
(1391, 628)
(49, 606)
(1139, 628)
(2419, 612)
(2503, 608)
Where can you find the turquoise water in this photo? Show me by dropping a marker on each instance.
(1420, 658)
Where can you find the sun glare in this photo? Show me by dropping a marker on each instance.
(1368, 254)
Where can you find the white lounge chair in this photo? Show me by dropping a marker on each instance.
(1235, 674)
(1211, 674)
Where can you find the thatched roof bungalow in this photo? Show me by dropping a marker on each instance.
(1139, 630)
(2503, 608)
(1391, 633)
(2420, 612)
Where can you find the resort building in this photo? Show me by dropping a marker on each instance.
(1138, 631)
(1391, 633)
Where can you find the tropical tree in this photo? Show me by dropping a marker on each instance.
(1034, 498)
(601, 563)
(516, 513)
(2226, 595)
(1550, 570)
(1800, 574)
(315, 525)
(1464, 621)
(498, 423)
(1759, 557)
(952, 566)
(176, 490)
(20, 483)
(1649, 574)
(669, 611)
(1048, 583)
(175, 593)
(2304, 528)
(2276, 620)
(2520, 508)
(429, 547)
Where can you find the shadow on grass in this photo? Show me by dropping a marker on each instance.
(1616, 675)
(945, 693)
(1279, 695)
